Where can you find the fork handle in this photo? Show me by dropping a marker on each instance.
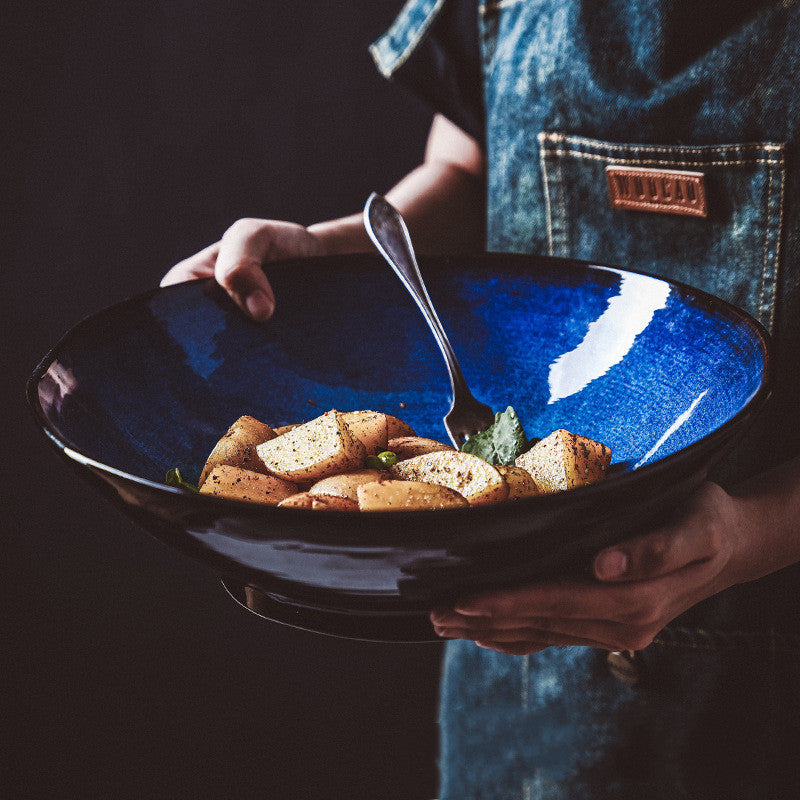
(389, 233)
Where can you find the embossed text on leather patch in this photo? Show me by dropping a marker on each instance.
(667, 191)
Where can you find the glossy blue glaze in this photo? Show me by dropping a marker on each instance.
(666, 376)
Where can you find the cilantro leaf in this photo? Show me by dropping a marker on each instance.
(502, 442)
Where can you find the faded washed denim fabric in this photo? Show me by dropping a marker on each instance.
(701, 723)
(569, 88)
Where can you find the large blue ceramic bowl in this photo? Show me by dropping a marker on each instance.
(665, 375)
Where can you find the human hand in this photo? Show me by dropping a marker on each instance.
(236, 261)
(642, 584)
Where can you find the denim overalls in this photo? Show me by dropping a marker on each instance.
(571, 87)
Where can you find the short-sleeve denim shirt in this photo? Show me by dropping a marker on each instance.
(569, 89)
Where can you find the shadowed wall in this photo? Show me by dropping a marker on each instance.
(140, 132)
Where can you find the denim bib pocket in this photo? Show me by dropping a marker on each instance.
(733, 252)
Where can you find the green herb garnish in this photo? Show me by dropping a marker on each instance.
(175, 479)
(383, 460)
(502, 442)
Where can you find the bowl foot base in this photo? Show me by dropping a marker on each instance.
(395, 627)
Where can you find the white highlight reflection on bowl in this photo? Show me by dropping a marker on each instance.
(610, 337)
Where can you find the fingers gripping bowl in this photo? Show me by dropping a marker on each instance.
(668, 377)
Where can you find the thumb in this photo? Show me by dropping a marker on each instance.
(653, 555)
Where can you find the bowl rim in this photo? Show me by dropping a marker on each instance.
(516, 261)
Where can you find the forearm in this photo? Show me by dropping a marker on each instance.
(770, 512)
(442, 206)
(442, 200)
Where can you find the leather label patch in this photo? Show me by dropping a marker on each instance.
(666, 191)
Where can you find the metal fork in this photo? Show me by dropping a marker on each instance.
(389, 233)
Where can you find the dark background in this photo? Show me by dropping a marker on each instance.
(139, 132)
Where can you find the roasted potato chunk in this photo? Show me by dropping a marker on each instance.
(369, 427)
(320, 465)
(319, 502)
(410, 446)
(396, 427)
(314, 450)
(244, 484)
(469, 475)
(565, 460)
(346, 484)
(399, 495)
(520, 482)
(237, 448)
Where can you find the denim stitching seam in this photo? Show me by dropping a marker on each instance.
(548, 210)
(558, 138)
(562, 205)
(766, 243)
(656, 162)
(779, 234)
